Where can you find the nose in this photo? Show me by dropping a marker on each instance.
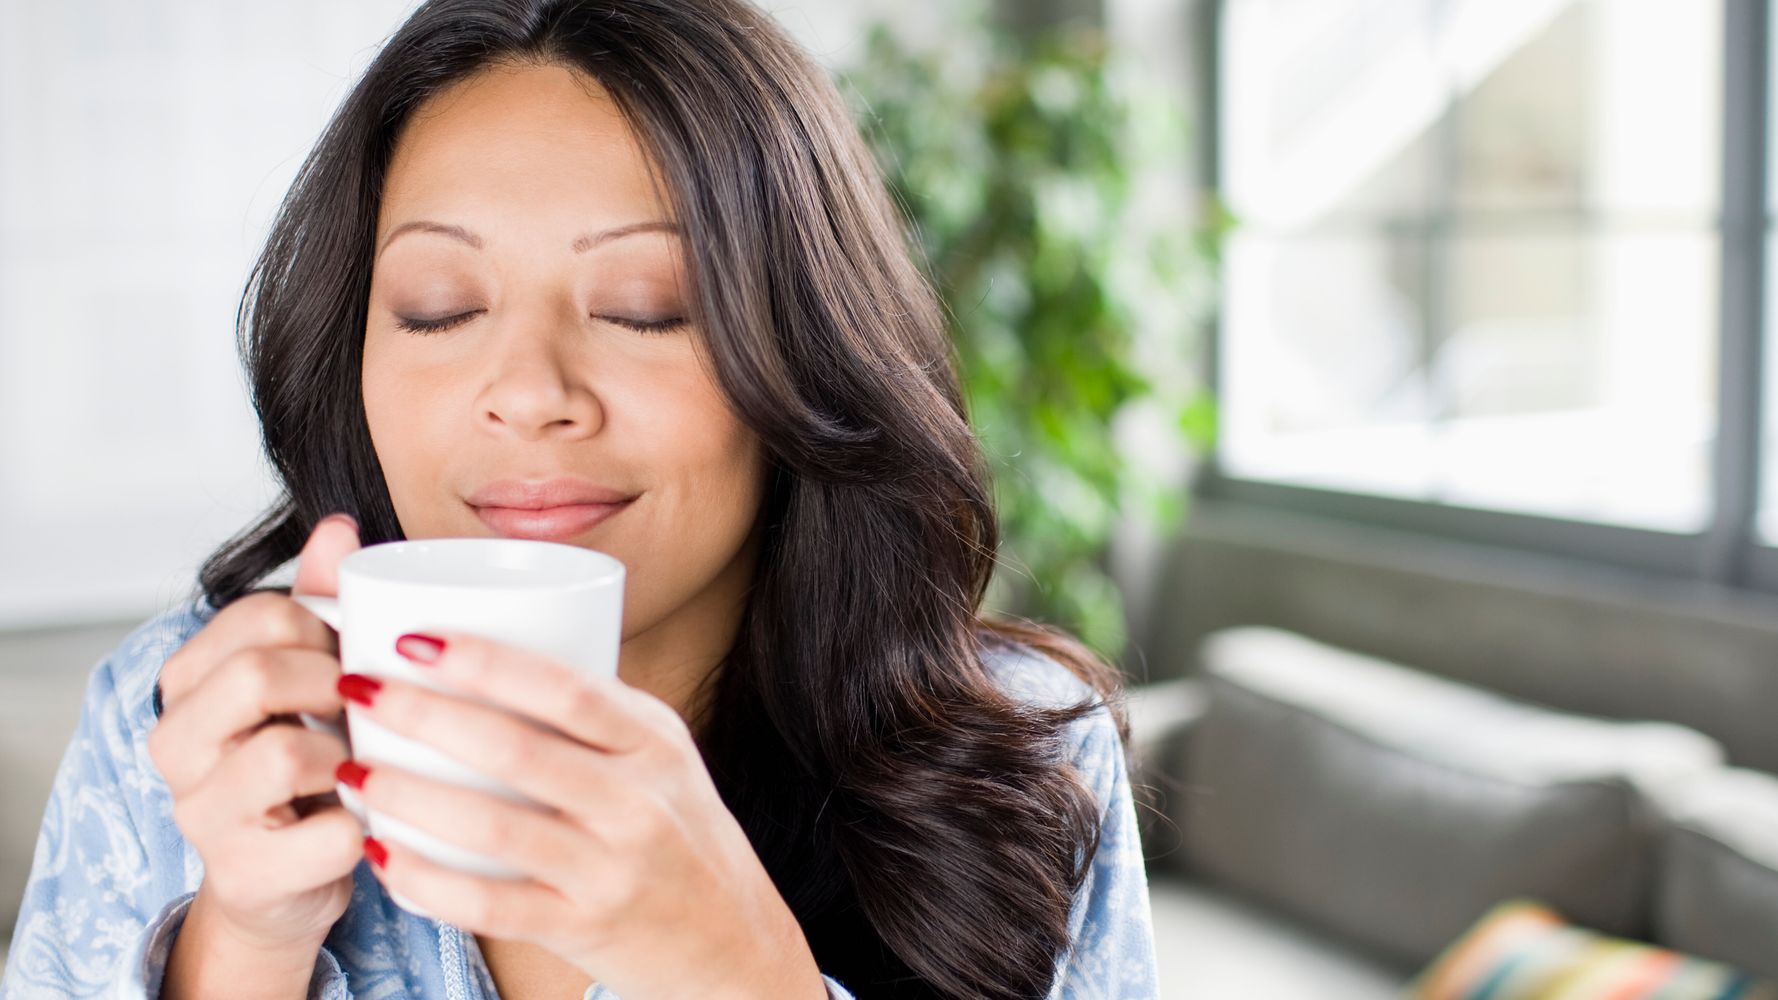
(534, 392)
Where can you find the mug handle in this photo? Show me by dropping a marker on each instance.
(328, 610)
(325, 608)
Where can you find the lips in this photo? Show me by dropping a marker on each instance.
(537, 494)
(552, 524)
(550, 510)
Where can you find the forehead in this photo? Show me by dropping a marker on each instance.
(520, 144)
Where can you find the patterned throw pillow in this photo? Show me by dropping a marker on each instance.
(1521, 950)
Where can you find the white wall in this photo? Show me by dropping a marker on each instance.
(143, 148)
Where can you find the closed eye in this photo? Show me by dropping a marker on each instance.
(653, 326)
(664, 325)
(415, 325)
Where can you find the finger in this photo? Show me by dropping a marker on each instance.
(234, 700)
(515, 909)
(542, 845)
(333, 538)
(601, 712)
(261, 618)
(313, 851)
(273, 767)
(536, 762)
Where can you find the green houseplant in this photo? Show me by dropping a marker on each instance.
(1015, 157)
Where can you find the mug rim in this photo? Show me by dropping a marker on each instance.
(371, 563)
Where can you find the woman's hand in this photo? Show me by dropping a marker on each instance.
(235, 760)
(639, 875)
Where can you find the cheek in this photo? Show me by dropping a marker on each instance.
(726, 461)
(377, 381)
(397, 410)
(710, 466)
(383, 405)
(727, 499)
(705, 451)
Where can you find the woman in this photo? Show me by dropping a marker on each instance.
(627, 255)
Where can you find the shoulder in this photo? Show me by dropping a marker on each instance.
(1033, 677)
(1037, 679)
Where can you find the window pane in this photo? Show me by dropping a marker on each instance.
(1576, 377)
(1518, 146)
(1768, 502)
(1326, 110)
(1322, 368)
(1506, 298)
(1555, 107)
(1767, 526)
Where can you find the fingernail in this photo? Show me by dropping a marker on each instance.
(358, 687)
(420, 648)
(376, 852)
(352, 773)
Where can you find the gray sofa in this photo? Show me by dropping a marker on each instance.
(1327, 822)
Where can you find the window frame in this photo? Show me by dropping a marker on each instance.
(1728, 551)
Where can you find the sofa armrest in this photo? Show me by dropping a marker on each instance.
(1162, 717)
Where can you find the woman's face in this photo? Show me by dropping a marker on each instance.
(518, 208)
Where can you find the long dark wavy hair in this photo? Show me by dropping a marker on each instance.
(926, 829)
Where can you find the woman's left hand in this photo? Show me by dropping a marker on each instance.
(640, 876)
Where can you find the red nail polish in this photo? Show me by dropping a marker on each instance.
(376, 852)
(351, 773)
(420, 648)
(358, 687)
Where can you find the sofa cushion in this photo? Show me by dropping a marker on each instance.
(1161, 717)
(1211, 943)
(1522, 950)
(1718, 889)
(1394, 808)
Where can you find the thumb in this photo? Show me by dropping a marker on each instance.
(333, 538)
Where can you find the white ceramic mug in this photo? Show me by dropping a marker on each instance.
(559, 600)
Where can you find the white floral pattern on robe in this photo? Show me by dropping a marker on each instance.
(111, 876)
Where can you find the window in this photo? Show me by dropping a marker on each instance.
(1480, 280)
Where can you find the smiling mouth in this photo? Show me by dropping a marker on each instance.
(552, 524)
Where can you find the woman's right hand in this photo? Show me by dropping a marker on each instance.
(235, 757)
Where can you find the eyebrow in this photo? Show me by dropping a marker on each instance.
(581, 244)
